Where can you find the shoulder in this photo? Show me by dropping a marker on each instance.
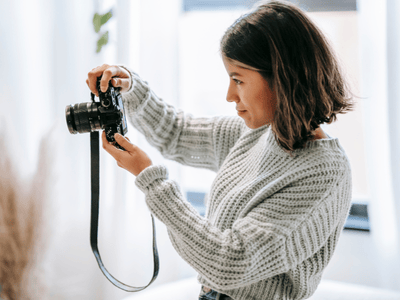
(325, 166)
(230, 127)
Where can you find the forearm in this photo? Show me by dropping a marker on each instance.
(228, 258)
(178, 136)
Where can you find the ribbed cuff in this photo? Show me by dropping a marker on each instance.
(137, 94)
(150, 175)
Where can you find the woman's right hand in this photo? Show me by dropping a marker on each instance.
(119, 78)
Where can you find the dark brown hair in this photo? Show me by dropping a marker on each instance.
(278, 40)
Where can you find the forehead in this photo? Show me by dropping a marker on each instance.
(237, 66)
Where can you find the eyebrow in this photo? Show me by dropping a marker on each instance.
(234, 74)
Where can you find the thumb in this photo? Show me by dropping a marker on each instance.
(123, 142)
(123, 83)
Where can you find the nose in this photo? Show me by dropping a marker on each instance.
(232, 95)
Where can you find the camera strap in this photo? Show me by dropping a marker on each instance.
(94, 220)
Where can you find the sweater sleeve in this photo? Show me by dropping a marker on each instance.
(265, 242)
(197, 142)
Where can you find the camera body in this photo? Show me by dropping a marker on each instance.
(108, 114)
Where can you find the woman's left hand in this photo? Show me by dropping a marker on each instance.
(134, 159)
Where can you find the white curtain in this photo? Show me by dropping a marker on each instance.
(380, 65)
(47, 47)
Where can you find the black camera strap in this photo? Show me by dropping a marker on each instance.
(94, 220)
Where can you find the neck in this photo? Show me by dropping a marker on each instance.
(319, 134)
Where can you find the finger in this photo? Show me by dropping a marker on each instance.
(87, 82)
(110, 72)
(123, 83)
(114, 152)
(93, 75)
(123, 142)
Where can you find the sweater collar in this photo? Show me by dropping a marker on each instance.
(326, 143)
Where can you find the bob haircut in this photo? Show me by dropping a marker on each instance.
(279, 41)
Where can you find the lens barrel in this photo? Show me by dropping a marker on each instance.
(83, 117)
(69, 115)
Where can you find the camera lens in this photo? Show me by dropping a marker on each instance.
(69, 114)
(83, 117)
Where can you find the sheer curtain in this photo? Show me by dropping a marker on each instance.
(47, 49)
(380, 76)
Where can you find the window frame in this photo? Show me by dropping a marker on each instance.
(308, 5)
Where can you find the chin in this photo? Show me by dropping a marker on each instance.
(251, 126)
(255, 126)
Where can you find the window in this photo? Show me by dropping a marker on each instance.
(308, 5)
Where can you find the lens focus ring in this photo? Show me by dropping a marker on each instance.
(83, 117)
(94, 116)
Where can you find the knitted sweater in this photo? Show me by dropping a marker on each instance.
(272, 221)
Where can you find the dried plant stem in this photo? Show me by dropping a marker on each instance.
(21, 215)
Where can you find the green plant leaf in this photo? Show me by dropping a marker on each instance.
(100, 20)
(102, 41)
(96, 22)
(106, 17)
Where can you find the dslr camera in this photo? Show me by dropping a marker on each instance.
(108, 114)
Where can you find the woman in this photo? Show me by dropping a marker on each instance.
(283, 187)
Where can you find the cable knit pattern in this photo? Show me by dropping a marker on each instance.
(272, 220)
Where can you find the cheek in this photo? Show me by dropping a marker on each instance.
(263, 103)
(269, 99)
(264, 108)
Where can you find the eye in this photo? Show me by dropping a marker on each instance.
(237, 81)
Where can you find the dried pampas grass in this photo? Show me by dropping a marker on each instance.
(23, 207)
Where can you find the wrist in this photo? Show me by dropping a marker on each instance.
(150, 175)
